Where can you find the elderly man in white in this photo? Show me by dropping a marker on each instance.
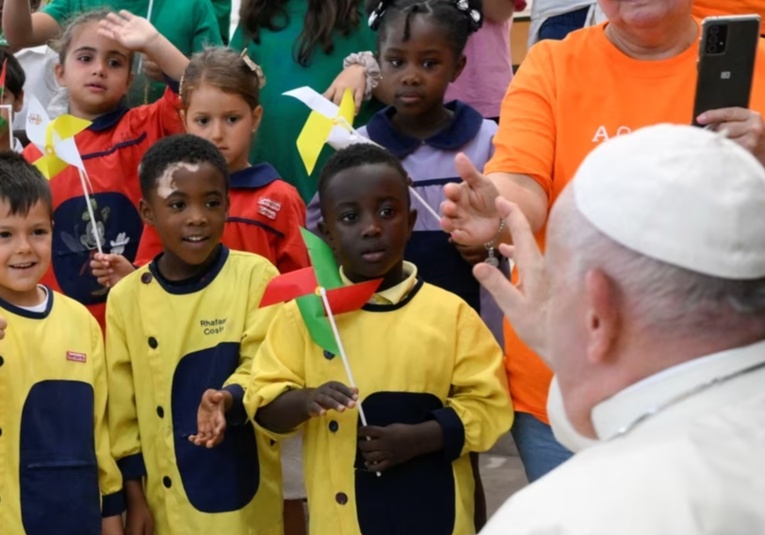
(650, 308)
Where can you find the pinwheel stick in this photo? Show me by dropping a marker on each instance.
(140, 56)
(413, 192)
(343, 356)
(91, 213)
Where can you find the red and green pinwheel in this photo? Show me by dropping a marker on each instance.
(304, 286)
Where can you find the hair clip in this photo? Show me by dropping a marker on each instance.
(474, 15)
(254, 67)
(375, 17)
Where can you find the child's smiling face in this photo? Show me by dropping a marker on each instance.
(188, 209)
(25, 252)
(367, 221)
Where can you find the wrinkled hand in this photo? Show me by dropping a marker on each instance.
(743, 126)
(352, 77)
(470, 215)
(109, 269)
(386, 447)
(331, 396)
(151, 70)
(3, 327)
(472, 254)
(134, 33)
(211, 418)
(525, 304)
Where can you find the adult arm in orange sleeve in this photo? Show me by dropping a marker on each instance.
(521, 169)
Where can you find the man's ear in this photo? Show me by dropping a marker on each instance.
(603, 322)
(147, 214)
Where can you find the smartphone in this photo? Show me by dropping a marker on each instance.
(726, 62)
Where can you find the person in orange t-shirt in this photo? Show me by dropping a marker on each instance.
(715, 8)
(636, 70)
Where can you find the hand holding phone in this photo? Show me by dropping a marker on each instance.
(727, 54)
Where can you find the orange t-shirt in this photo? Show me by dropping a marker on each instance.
(714, 8)
(567, 97)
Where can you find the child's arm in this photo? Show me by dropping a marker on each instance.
(138, 520)
(294, 407)
(109, 269)
(389, 446)
(284, 414)
(23, 29)
(112, 526)
(123, 419)
(109, 476)
(138, 34)
(221, 407)
(475, 415)
(478, 410)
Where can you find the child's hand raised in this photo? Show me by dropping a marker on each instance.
(211, 418)
(331, 396)
(135, 33)
(109, 269)
(389, 446)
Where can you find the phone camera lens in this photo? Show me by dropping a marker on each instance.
(713, 39)
(714, 30)
(712, 49)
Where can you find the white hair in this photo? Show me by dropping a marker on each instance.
(661, 295)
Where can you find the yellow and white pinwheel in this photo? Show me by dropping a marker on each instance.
(55, 139)
(327, 123)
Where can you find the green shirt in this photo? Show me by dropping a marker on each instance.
(189, 24)
(223, 14)
(284, 117)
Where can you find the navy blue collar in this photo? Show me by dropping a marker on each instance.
(109, 119)
(194, 284)
(464, 126)
(19, 311)
(254, 177)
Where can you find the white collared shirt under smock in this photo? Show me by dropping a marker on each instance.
(695, 467)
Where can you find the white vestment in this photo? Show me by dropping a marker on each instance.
(695, 467)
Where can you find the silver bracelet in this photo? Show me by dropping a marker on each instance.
(371, 69)
(492, 257)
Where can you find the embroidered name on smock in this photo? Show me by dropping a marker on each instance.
(269, 208)
(215, 326)
(76, 357)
